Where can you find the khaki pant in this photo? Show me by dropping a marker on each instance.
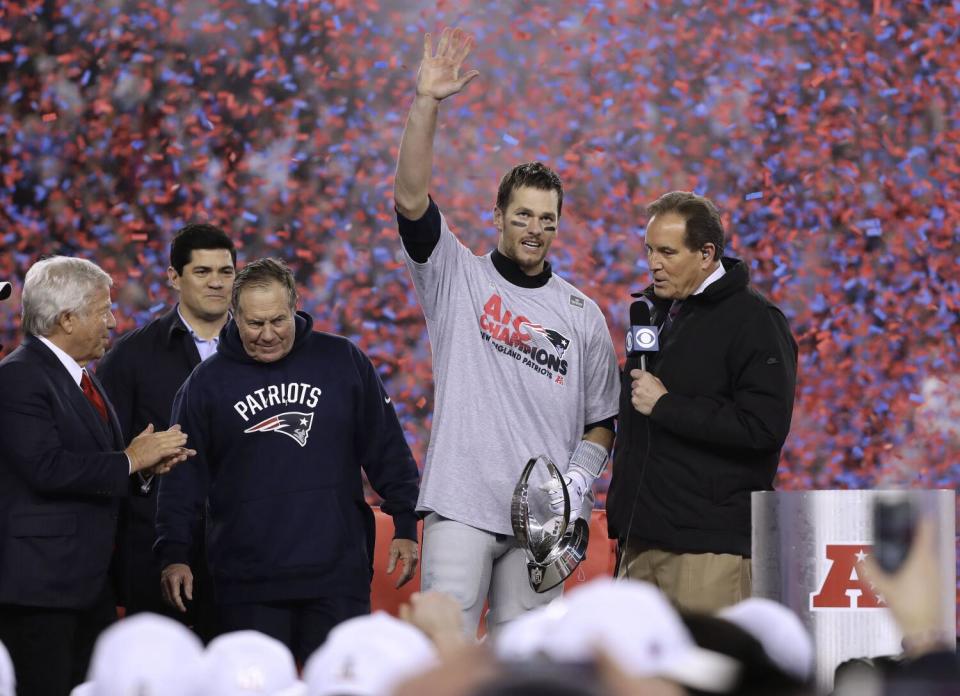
(700, 582)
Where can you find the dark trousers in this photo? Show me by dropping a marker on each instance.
(301, 625)
(142, 594)
(51, 648)
(138, 571)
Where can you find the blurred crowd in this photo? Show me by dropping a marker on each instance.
(603, 638)
(827, 132)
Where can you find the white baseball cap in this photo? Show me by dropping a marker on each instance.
(146, 654)
(632, 622)
(249, 663)
(8, 679)
(781, 633)
(528, 636)
(368, 656)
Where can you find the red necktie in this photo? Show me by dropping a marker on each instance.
(671, 315)
(93, 396)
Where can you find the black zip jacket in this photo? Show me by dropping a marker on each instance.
(683, 476)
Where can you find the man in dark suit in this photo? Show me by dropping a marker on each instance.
(141, 374)
(63, 468)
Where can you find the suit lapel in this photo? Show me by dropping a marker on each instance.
(189, 346)
(70, 392)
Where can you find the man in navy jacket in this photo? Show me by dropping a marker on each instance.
(63, 468)
(283, 419)
(141, 374)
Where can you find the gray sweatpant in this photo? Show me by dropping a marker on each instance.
(472, 565)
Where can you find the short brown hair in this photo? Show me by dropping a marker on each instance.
(701, 215)
(534, 175)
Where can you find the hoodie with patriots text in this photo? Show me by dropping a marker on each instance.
(280, 448)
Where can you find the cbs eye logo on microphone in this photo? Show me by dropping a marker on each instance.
(642, 339)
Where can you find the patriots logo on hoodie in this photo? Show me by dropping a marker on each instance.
(292, 424)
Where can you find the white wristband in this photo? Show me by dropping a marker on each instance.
(590, 458)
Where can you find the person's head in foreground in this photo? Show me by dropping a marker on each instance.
(368, 656)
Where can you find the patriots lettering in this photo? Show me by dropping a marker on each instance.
(535, 346)
(277, 395)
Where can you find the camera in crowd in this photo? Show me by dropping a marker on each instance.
(894, 526)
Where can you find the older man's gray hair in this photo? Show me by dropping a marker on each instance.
(261, 273)
(56, 285)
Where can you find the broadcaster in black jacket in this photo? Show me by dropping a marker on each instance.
(285, 418)
(702, 427)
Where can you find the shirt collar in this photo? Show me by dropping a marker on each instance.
(510, 269)
(73, 367)
(717, 274)
(205, 346)
(196, 337)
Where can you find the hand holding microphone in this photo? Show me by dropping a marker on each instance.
(645, 391)
(643, 338)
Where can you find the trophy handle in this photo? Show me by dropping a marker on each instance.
(520, 505)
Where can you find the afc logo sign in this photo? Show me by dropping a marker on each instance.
(842, 588)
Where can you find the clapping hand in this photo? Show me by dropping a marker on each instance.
(153, 452)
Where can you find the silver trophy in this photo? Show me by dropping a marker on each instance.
(553, 546)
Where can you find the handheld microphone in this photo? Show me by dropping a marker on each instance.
(642, 338)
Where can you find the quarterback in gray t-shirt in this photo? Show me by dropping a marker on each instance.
(523, 363)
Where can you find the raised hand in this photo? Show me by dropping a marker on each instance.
(918, 612)
(439, 616)
(439, 75)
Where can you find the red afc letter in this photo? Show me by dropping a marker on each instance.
(843, 588)
(493, 307)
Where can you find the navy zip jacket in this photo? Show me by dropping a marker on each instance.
(280, 448)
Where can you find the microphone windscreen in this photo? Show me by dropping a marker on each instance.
(640, 313)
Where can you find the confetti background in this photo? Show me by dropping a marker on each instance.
(828, 133)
